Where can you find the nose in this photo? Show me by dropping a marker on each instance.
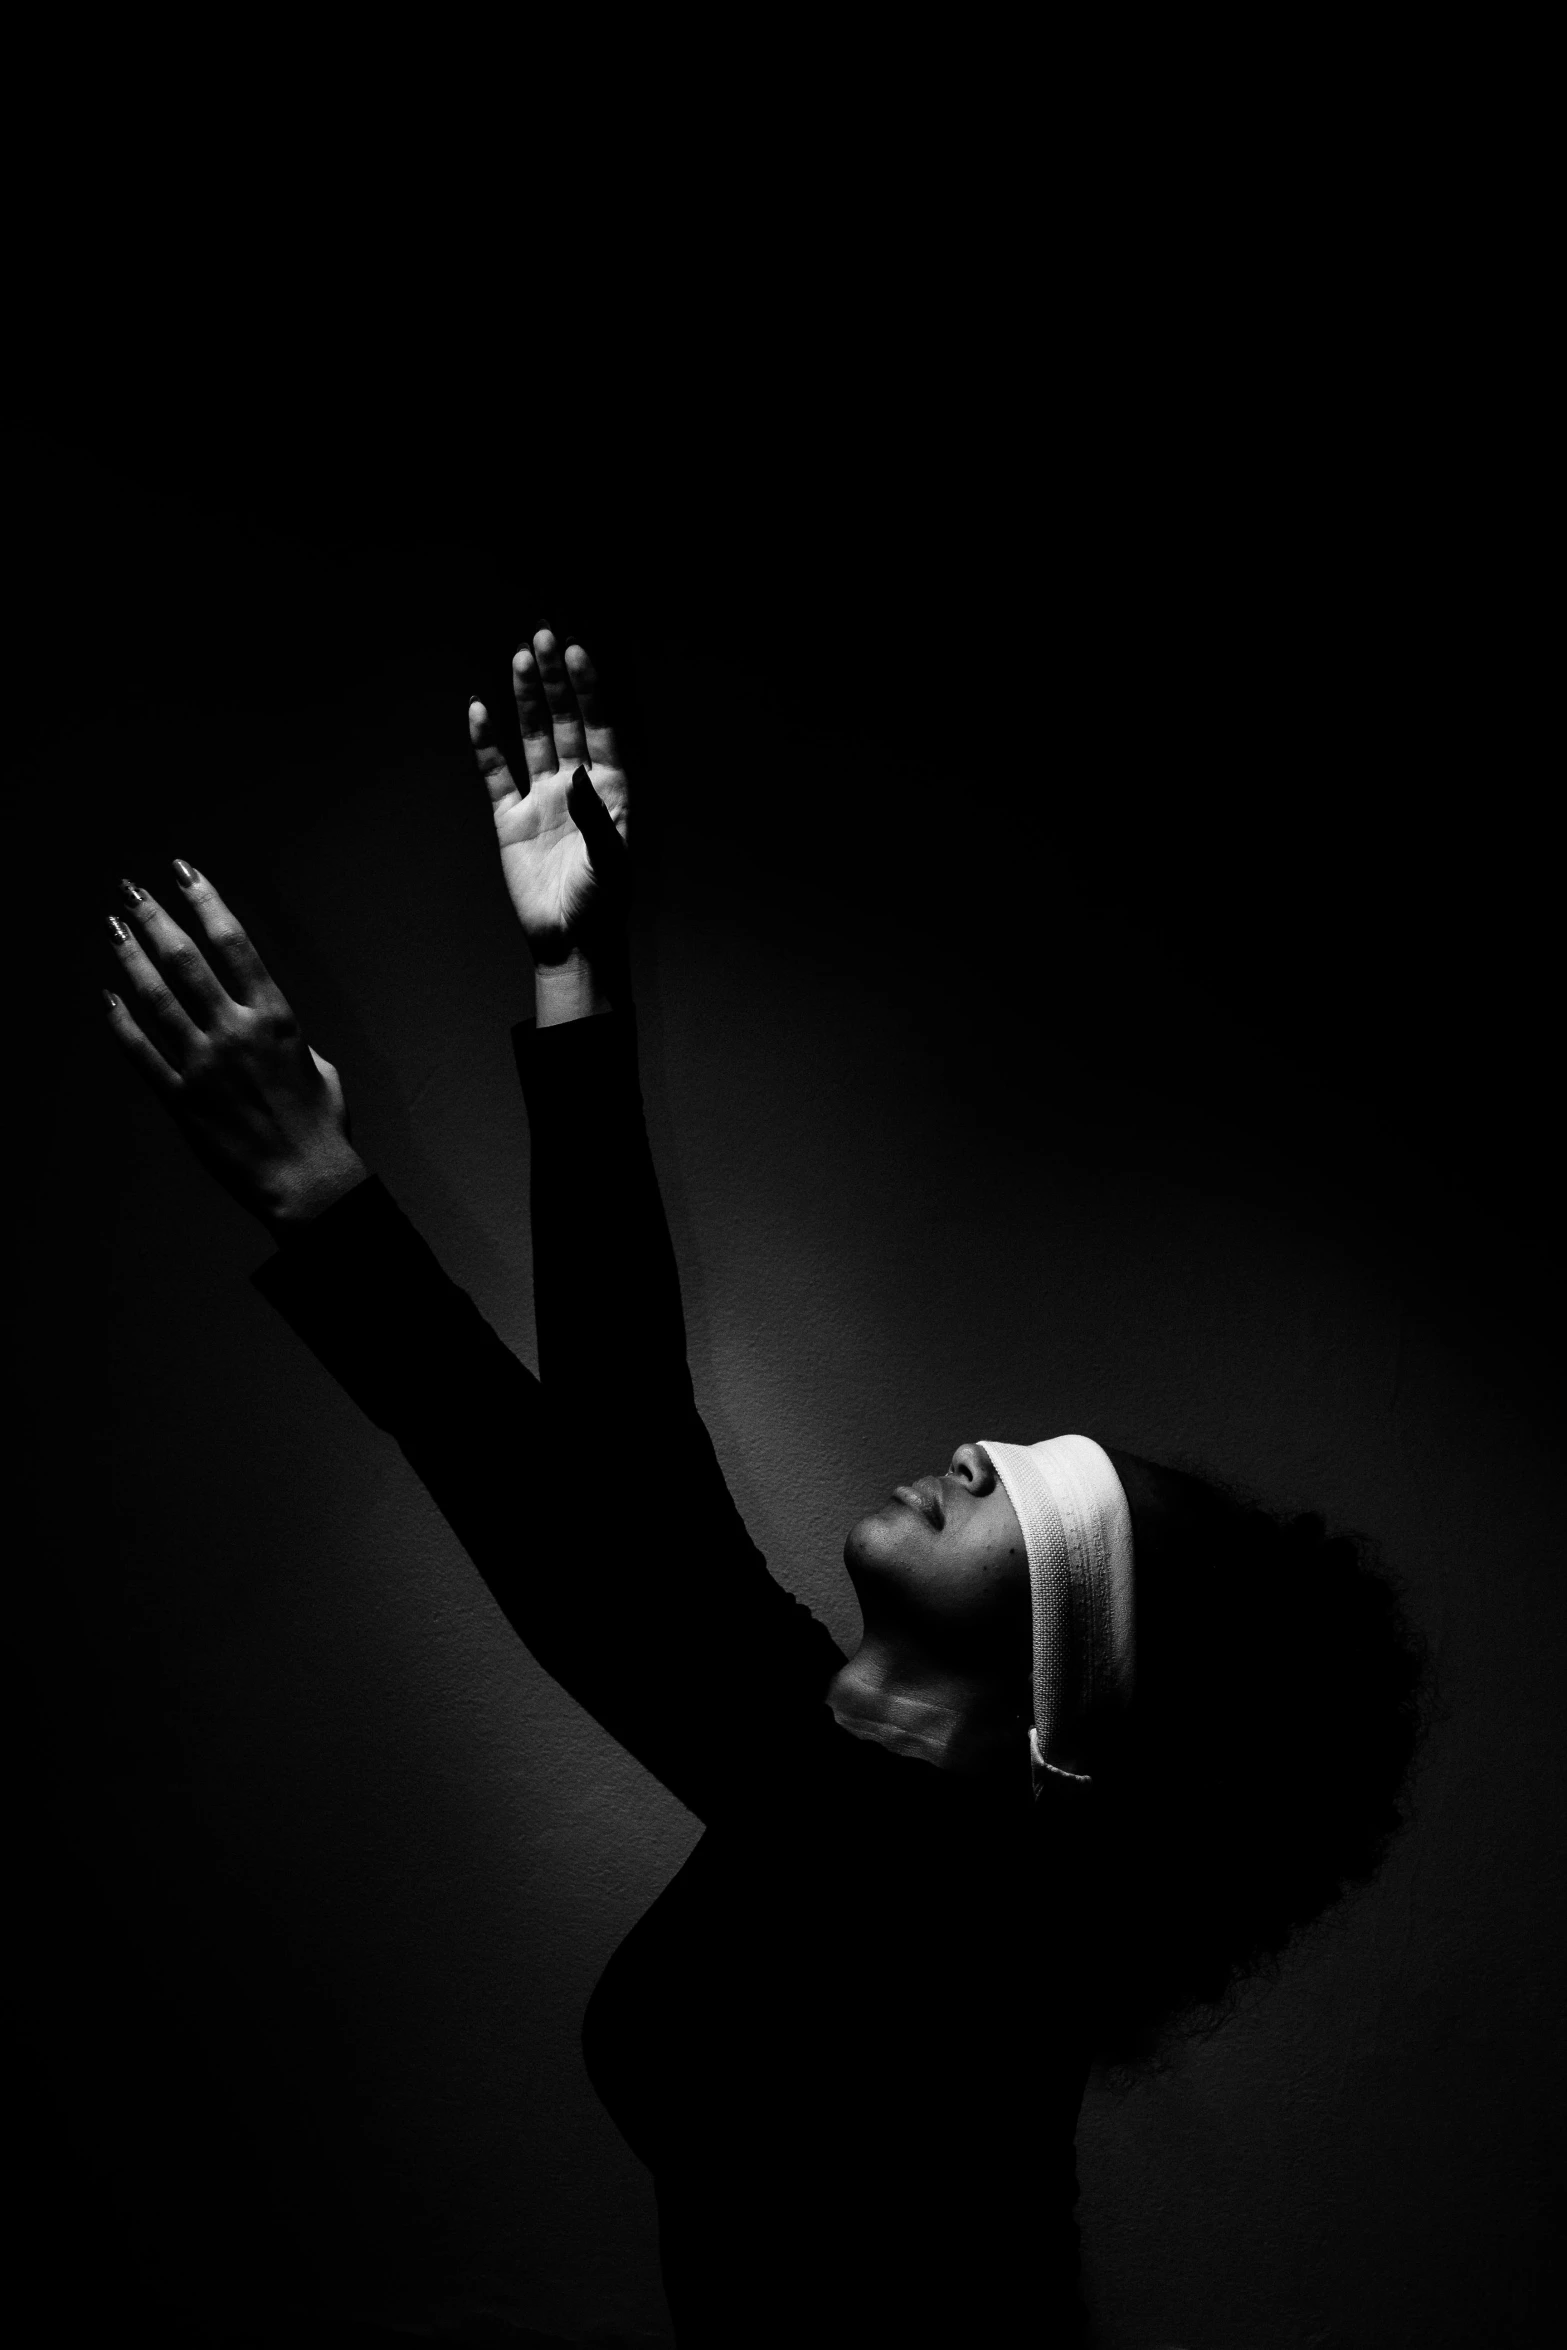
(971, 1466)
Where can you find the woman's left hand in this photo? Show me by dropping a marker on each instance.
(213, 1035)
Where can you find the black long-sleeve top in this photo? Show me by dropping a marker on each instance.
(844, 2038)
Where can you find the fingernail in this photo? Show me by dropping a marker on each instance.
(186, 875)
(119, 931)
(131, 894)
(112, 1001)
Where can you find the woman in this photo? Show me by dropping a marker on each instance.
(1109, 1737)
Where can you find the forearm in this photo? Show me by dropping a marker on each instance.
(606, 1293)
(365, 1292)
(606, 1288)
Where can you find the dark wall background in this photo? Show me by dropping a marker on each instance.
(1093, 955)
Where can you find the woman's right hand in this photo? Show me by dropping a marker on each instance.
(562, 827)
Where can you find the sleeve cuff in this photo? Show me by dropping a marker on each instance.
(358, 1226)
(577, 1052)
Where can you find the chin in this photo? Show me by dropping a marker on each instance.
(871, 1546)
(854, 1544)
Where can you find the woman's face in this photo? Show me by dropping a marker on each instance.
(946, 1554)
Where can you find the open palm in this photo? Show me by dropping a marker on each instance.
(564, 876)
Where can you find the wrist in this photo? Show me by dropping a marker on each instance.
(572, 989)
(308, 1191)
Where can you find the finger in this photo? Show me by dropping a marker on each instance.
(571, 744)
(334, 1086)
(607, 852)
(533, 715)
(180, 961)
(137, 1048)
(600, 734)
(154, 1006)
(228, 948)
(498, 777)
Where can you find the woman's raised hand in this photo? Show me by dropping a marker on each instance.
(561, 825)
(211, 1032)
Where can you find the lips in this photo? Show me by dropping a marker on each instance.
(925, 1497)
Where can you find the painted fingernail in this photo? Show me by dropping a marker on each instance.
(112, 1001)
(131, 894)
(119, 931)
(186, 875)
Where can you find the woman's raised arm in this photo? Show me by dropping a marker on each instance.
(607, 1307)
(606, 1286)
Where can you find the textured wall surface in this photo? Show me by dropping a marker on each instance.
(330, 1867)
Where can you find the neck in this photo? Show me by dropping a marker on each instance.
(892, 1693)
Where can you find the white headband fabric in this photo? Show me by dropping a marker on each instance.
(1077, 1527)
